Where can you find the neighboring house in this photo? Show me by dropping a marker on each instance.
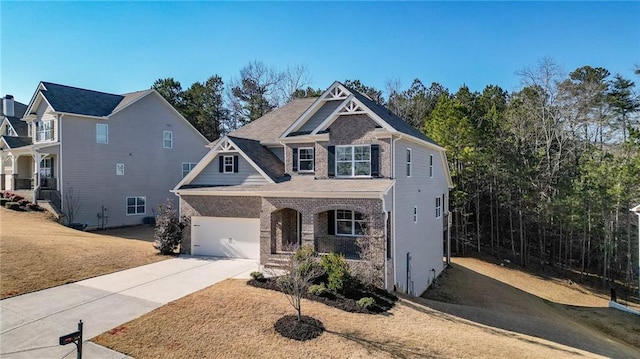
(324, 172)
(11, 128)
(111, 159)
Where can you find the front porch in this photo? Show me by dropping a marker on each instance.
(328, 225)
(26, 172)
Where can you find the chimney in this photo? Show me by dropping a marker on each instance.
(8, 106)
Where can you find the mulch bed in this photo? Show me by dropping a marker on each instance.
(346, 301)
(306, 328)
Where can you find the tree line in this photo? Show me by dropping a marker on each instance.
(543, 176)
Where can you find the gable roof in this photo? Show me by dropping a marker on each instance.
(262, 157)
(21, 127)
(79, 101)
(16, 142)
(268, 128)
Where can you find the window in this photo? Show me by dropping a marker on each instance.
(119, 169)
(44, 130)
(167, 139)
(305, 159)
(46, 168)
(353, 161)
(11, 132)
(408, 162)
(415, 214)
(186, 168)
(430, 165)
(349, 223)
(228, 164)
(136, 205)
(102, 133)
(438, 207)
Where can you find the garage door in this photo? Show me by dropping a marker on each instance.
(225, 237)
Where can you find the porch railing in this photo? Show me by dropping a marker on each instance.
(22, 183)
(347, 246)
(48, 182)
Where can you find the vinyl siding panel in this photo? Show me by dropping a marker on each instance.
(135, 139)
(212, 176)
(320, 115)
(422, 240)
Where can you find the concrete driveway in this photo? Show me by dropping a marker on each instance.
(31, 324)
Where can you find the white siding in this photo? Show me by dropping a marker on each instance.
(135, 139)
(320, 115)
(423, 240)
(211, 174)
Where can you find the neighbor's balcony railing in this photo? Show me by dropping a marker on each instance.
(347, 246)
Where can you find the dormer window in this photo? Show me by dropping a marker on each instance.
(11, 132)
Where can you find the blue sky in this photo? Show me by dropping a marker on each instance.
(121, 47)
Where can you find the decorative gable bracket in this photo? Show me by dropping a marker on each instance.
(352, 108)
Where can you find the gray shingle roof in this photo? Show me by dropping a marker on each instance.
(269, 127)
(21, 127)
(80, 101)
(265, 159)
(389, 117)
(15, 142)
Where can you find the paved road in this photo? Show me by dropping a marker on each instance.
(31, 324)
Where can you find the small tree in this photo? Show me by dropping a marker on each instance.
(372, 251)
(168, 232)
(301, 269)
(71, 204)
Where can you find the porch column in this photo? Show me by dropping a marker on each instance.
(10, 178)
(2, 157)
(307, 230)
(37, 157)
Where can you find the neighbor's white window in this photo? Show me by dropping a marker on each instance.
(119, 169)
(136, 205)
(46, 168)
(228, 164)
(349, 223)
(44, 130)
(305, 159)
(167, 139)
(430, 165)
(438, 207)
(415, 214)
(353, 161)
(102, 133)
(408, 162)
(11, 132)
(187, 167)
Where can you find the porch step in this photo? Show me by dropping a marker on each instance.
(277, 262)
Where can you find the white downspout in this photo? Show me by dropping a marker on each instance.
(393, 210)
(60, 182)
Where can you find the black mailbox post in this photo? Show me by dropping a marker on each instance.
(75, 337)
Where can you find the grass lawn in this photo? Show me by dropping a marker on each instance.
(38, 253)
(234, 320)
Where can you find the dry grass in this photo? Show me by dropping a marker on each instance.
(38, 253)
(234, 320)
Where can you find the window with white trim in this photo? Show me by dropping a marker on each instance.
(187, 167)
(119, 169)
(305, 159)
(228, 164)
(415, 214)
(408, 162)
(349, 223)
(136, 205)
(102, 133)
(167, 139)
(353, 161)
(430, 165)
(44, 130)
(438, 207)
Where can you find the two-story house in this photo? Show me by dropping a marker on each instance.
(326, 172)
(103, 160)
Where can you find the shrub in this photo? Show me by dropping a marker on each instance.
(23, 202)
(257, 275)
(337, 271)
(168, 233)
(16, 198)
(12, 205)
(3, 201)
(366, 302)
(317, 289)
(34, 207)
(305, 256)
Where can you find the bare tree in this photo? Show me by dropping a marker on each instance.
(294, 79)
(301, 269)
(71, 205)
